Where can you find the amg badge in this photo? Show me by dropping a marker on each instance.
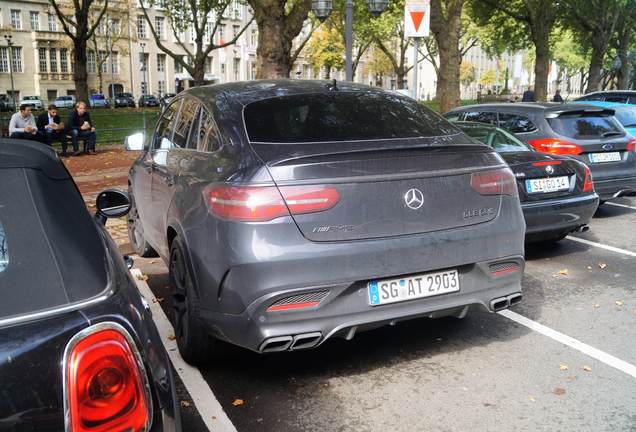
(484, 211)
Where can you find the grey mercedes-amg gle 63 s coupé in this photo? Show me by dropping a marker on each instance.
(290, 212)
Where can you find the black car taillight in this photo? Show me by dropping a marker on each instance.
(588, 185)
(264, 203)
(495, 182)
(631, 143)
(105, 383)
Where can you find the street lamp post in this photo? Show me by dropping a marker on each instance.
(10, 45)
(322, 9)
(144, 85)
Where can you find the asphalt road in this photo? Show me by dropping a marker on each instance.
(483, 373)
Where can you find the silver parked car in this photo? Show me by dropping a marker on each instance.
(64, 101)
(290, 212)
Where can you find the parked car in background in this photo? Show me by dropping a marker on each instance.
(124, 100)
(589, 134)
(556, 192)
(34, 101)
(78, 347)
(97, 100)
(625, 113)
(166, 98)
(618, 96)
(65, 101)
(6, 103)
(148, 101)
(296, 211)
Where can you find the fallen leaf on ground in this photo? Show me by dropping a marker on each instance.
(589, 267)
(142, 277)
(172, 337)
(213, 417)
(157, 300)
(532, 399)
(602, 265)
(586, 368)
(238, 402)
(596, 306)
(563, 367)
(185, 404)
(563, 272)
(571, 378)
(559, 391)
(151, 261)
(619, 302)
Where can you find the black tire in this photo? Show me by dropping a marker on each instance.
(194, 343)
(136, 233)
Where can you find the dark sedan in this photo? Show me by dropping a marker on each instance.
(148, 101)
(589, 134)
(124, 100)
(556, 192)
(290, 212)
(78, 347)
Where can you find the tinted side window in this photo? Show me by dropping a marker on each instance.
(594, 97)
(616, 98)
(165, 126)
(632, 100)
(516, 123)
(208, 134)
(453, 117)
(481, 117)
(186, 119)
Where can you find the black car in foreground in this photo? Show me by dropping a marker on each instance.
(587, 133)
(556, 192)
(290, 212)
(78, 347)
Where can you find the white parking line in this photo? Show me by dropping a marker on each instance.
(620, 205)
(209, 407)
(597, 354)
(603, 246)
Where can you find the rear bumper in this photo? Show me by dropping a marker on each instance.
(346, 310)
(566, 214)
(614, 188)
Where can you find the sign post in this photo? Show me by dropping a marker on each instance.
(417, 23)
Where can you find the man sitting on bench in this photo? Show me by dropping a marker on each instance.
(52, 128)
(82, 128)
(22, 125)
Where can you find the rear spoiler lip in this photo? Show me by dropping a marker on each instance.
(583, 110)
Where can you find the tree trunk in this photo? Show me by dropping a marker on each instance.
(541, 39)
(327, 72)
(198, 73)
(276, 31)
(625, 70)
(447, 34)
(400, 79)
(596, 66)
(80, 76)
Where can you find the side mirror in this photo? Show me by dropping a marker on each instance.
(112, 203)
(135, 142)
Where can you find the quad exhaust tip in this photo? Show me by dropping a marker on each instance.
(501, 303)
(292, 343)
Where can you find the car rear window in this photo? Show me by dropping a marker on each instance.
(341, 117)
(584, 126)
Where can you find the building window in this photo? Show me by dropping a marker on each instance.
(53, 60)
(16, 19)
(115, 27)
(4, 60)
(114, 59)
(208, 65)
(103, 60)
(16, 58)
(254, 37)
(178, 67)
(235, 30)
(52, 23)
(63, 60)
(161, 87)
(222, 34)
(223, 70)
(236, 66)
(91, 62)
(102, 28)
(42, 60)
(159, 27)
(161, 62)
(141, 27)
(237, 6)
(35, 20)
(192, 35)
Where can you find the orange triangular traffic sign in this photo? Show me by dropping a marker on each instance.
(417, 17)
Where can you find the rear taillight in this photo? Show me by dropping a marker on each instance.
(588, 185)
(105, 383)
(555, 146)
(546, 163)
(264, 203)
(495, 182)
(631, 143)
